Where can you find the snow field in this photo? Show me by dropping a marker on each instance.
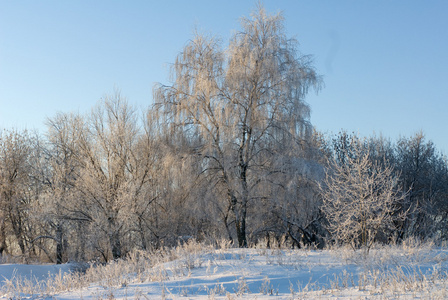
(198, 271)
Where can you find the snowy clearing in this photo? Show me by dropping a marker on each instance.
(196, 271)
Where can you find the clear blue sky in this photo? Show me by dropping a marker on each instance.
(385, 63)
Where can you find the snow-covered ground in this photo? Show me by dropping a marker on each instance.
(39, 272)
(195, 271)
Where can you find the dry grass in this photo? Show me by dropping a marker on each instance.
(388, 272)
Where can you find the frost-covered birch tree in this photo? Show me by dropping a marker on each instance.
(240, 107)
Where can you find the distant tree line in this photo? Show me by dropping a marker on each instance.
(226, 152)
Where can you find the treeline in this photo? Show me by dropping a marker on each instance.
(100, 185)
(226, 152)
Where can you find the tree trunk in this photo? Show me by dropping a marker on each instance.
(3, 245)
(18, 230)
(228, 228)
(116, 245)
(142, 233)
(81, 248)
(241, 232)
(59, 246)
(114, 239)
(241, 222)
(240, 225)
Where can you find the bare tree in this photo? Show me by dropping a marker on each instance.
(240, 106)
(424, 173)
(58, 171)
(360, 198)
(103, 189)
(107, 182)
(15, 187)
